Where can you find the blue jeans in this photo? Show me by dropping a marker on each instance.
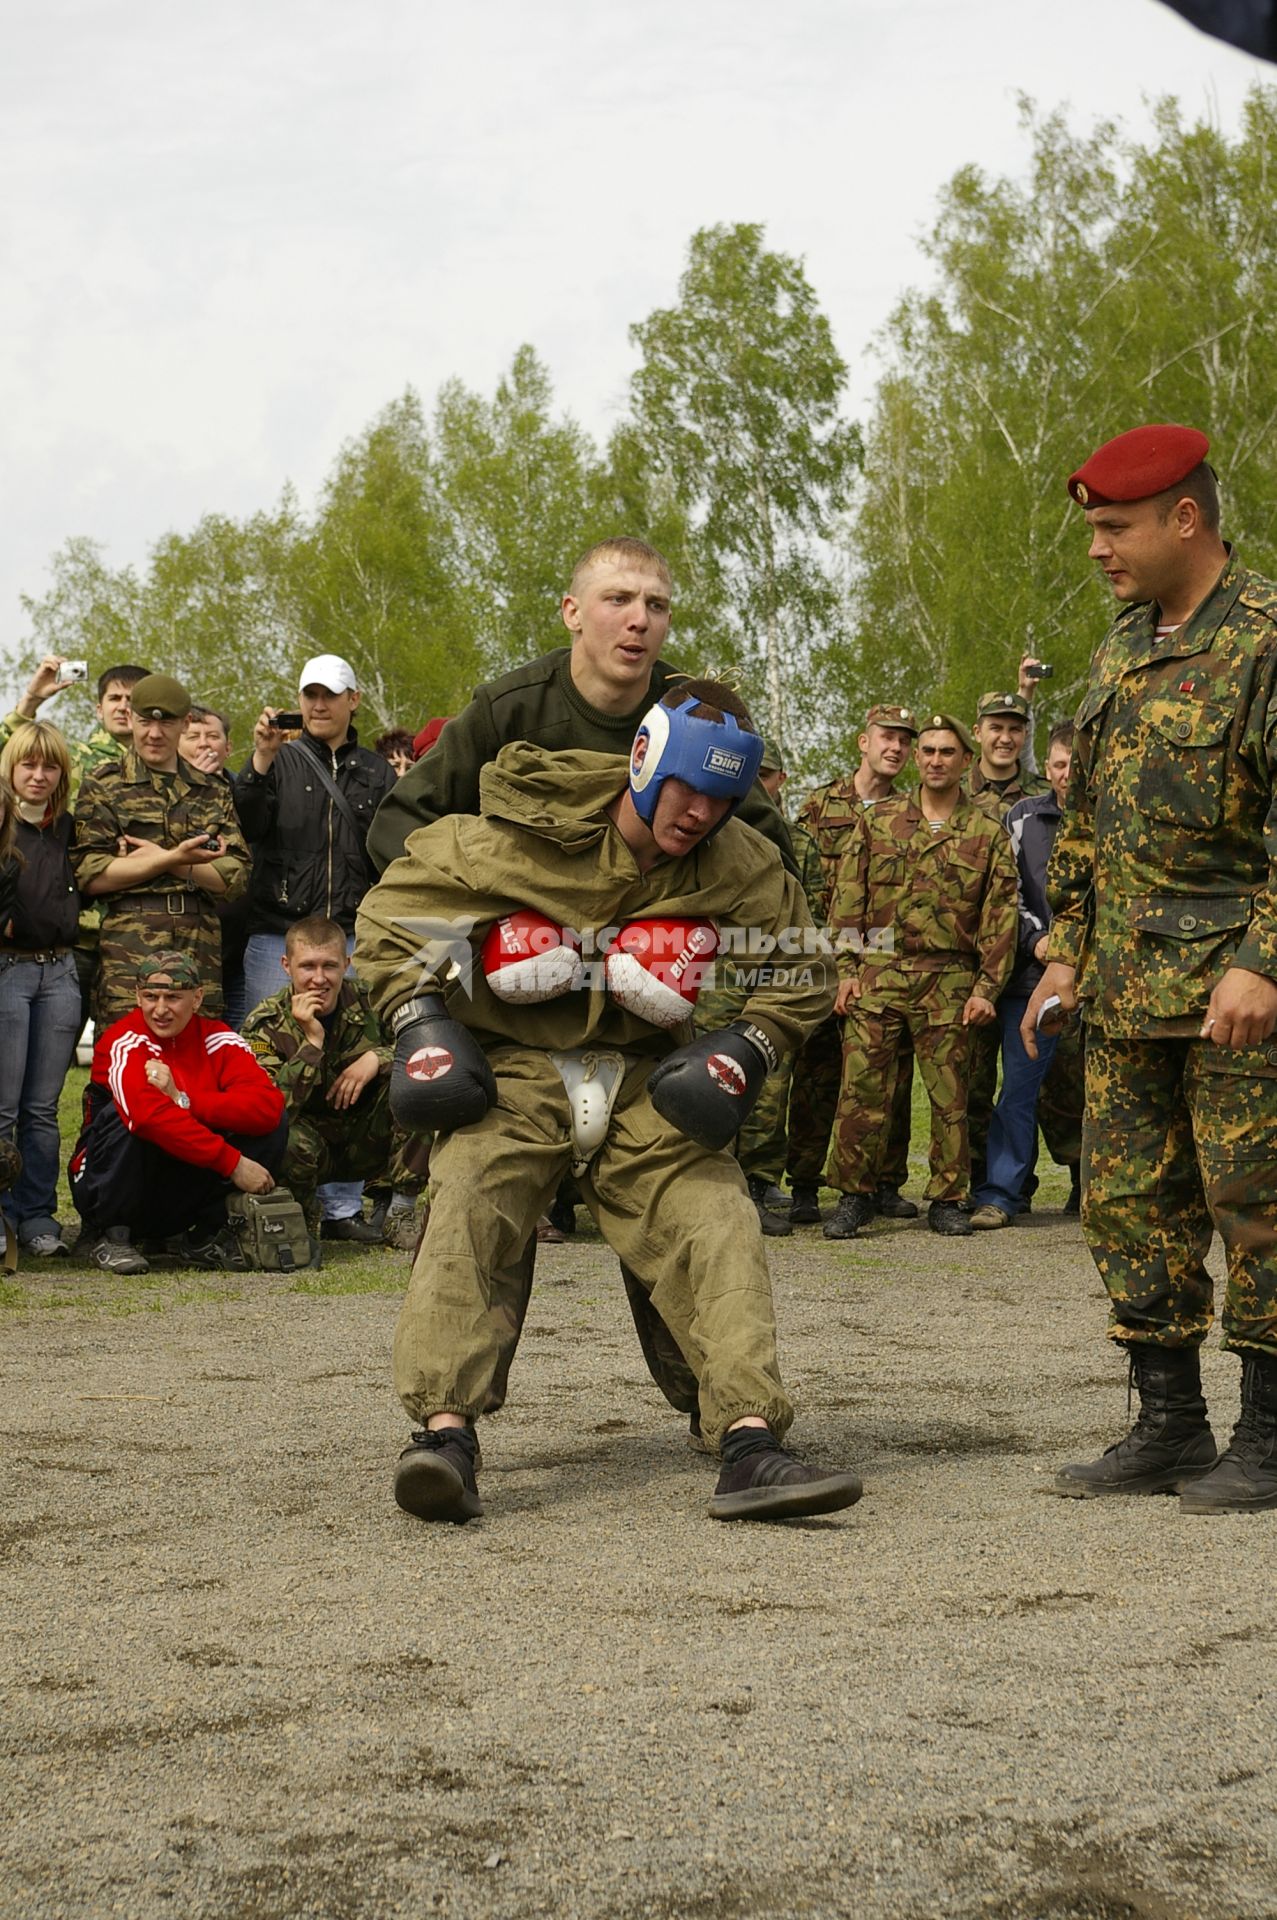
(39, 1025)
(1013, 1129)
(263, 977)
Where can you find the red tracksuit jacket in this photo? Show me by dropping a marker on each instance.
(209, 1062)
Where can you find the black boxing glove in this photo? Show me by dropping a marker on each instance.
(440, 1078)
(708, 1088)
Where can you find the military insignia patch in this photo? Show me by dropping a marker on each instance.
(1081, 492)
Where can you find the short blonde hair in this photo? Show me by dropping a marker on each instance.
(41, 741)
(623, 551)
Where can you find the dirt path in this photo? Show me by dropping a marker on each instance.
(239, 1683)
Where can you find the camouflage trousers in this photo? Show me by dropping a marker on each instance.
(677, 1215)
(760, 1146)
(927, 1006)
(355, 1143)
(1062, 1097)
(1181, 1137)
(982, 1089)
(813, 1104)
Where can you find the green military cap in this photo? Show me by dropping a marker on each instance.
(991, 703)
(182, 968)
(773, 760)
(160, 697)
(883, 715)
(928, 722)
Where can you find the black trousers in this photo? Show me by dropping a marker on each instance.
(118, 1180)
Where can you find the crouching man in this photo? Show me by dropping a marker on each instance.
(323, 1046)
(591, 1066)
(177, 1113)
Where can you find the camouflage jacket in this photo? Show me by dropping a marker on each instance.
(828, 814)
(303, 1072)
(995, 796)
(911, 899)
(1162, 873)
(123, 796)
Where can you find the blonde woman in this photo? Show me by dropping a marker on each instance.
(39, 991)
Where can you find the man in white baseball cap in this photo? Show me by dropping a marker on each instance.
(306, 801)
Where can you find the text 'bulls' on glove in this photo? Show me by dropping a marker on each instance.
(440, 1078)
(527, 958)
(708, 1088)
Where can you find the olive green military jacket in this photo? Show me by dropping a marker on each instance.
(538, 702)
(304, 1072)
(544, 839)
(996, 796)
(913, 899)
(1162, 872)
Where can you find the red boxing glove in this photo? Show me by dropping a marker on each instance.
(656, 968)
(527, 958)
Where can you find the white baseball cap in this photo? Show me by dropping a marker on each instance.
(331, 671)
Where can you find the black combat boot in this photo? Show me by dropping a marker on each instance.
(892, 1204)
(1074, 1202)
(946, 1216)
(774, 1225)
(435, 1478)
(1244, 1478)
(804, 1209)
(1171, 1441)
(854, 1211)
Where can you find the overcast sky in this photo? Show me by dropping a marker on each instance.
(232, 232)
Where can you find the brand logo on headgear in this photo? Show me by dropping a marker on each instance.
(723, 760)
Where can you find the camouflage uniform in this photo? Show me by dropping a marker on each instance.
(124, 796)
(827, 817)
(761, 1142)
(933, 913)
(325, 1142)
(1161, 878)
(995, 796)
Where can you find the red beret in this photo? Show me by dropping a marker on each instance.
(1138, 464)
(423, 741)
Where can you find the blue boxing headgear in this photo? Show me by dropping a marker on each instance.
(718, 758)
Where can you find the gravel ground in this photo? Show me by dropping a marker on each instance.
(240, 1683)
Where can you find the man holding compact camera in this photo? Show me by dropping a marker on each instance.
(156, 840)
(306, 800)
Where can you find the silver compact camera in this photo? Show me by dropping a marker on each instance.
(75, 669)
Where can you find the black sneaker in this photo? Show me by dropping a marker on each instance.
(221, 1252)
(946, 1216)
(767, 1483)
(774, 1225)
(804, 1208)
(353, 1227)
(892, 1204)
(435, 1476)
(854, 1211)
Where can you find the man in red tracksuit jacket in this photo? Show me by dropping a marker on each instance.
(177, 1112)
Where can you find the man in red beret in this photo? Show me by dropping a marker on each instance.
(1165, 894)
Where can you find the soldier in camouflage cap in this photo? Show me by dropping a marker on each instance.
(1165, 896)
(158, 842)
(828, 815)
(924, 918)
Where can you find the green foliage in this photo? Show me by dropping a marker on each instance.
(1112, 285)
(737, 399)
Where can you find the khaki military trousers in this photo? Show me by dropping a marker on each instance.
(678, 1215)
(1179, 1138)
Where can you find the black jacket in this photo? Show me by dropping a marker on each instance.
(307, 858)
(42, 907)
(1032, 824)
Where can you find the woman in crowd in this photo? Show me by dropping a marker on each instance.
(396, 747)
(39, 991)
